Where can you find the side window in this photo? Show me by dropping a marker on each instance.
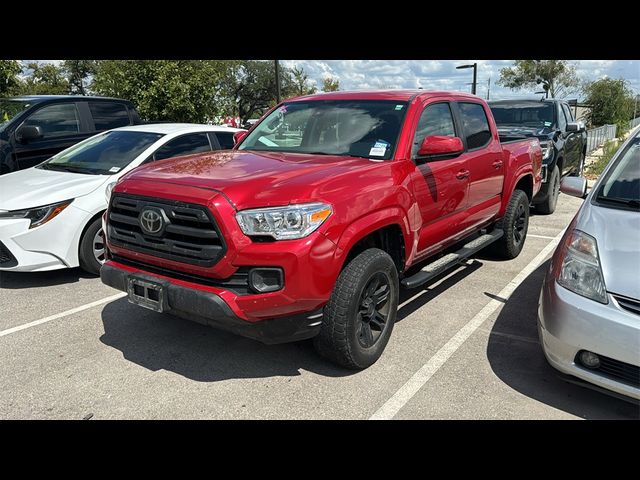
(562, 121)
(475, 125)
(184, 145)
(225, 140)
(436, 119)
(56, 120)
(567, 112)
(108, 115)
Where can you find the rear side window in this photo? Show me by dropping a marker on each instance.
(436, 119)
(184, 145)
(109, 115)
(475, 125)
(56, 120)
(225, 140)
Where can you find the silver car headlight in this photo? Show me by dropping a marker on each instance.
(547, 150)
(284, 223)
(38, 215)
(108, 190)
(581, 271)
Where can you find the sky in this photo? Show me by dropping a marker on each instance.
(442, 74)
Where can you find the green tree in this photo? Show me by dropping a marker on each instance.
(77, 73)
(45, 79)
(173, 90)
(9, 81)
(610, 102)
(558, 77)
(299, 82)
(330, 85)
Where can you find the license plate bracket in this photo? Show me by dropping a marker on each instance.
(146, 293)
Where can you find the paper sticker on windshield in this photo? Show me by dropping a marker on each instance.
(547, 124)
(267, 142)
(379, 149)
(114, 169)
(399, 107)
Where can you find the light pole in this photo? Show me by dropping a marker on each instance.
(475, 75)
(277, 81)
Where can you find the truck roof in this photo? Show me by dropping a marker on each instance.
(390, 94)
(44, 98)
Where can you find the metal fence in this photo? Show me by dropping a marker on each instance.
(597, 136)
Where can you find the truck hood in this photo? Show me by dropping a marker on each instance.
(255, 179)
(543, 133)
(34, 187)
(616, 232)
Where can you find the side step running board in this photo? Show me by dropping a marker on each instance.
(451, 260)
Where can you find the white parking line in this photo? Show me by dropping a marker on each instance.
(540, 236)
(62, 314)
(422, 376)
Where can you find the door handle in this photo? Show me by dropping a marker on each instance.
(497, 164)
(462, 174)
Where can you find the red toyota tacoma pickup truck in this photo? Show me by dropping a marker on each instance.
(309, 227)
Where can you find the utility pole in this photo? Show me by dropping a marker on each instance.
(277, 82)
(489, 88)
(475, 75)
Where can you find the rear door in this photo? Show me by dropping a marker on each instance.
(485, 162)
(62, 126)
(439, 185)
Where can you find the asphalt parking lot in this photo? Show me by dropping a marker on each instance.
(465, 347)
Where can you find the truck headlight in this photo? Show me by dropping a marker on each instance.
(547, 150)
(580, 271)
(284, 223)
(38, 215)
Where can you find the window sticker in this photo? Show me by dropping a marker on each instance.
(547, 124)
(399, 107)
(379, 149)
(114, 169)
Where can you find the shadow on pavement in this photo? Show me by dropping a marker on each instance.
(516, 357)
(17, 280)
(162, 342)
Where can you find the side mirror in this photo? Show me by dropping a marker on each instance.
(574, 186)
(237, 137)
(440, 146)
(575, 127)
(28, 132)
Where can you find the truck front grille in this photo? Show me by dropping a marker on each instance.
(189, 233)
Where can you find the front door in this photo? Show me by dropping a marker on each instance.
(61, 128)
(439, 186)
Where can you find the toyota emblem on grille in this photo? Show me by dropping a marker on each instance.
(151, 221)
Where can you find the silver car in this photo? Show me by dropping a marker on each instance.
(589, 312)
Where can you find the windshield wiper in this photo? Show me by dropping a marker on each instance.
(67, 168)
(629, 202)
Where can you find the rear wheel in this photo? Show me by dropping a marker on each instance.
(361, 312)
(515, 225)
(549, 205)
(92, 248)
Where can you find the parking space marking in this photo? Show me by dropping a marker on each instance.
(533, 235)
(62, 314)
(422, 376)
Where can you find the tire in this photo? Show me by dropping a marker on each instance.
(549, 205)
(87, 254)
(515, 225)
(350, 323)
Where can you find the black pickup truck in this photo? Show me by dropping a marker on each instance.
(563, 140)
(35, 127)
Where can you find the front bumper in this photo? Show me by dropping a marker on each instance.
(207, 307)
(568, 323)
(51, 246)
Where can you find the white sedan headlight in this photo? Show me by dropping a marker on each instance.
(581, 271)
(38, 215)
(284, 223)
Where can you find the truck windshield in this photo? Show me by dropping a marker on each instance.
(9, 109)
(359, 128)
(621, 187)
(524, 114)
(103, 154)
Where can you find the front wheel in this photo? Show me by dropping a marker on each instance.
(92, 248)
(515, 224)
(361, 312)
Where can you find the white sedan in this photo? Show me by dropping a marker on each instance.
(50, 214)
